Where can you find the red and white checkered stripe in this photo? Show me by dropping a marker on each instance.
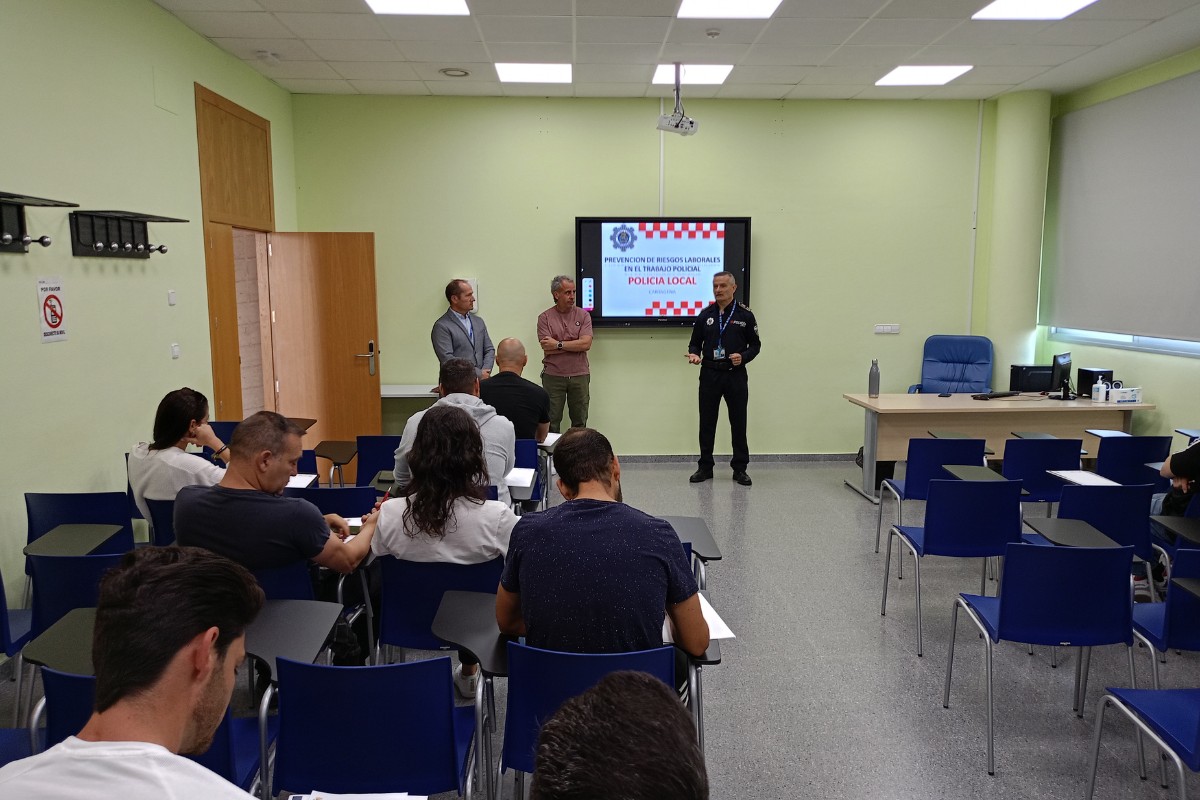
(673, 308)
(682, 230)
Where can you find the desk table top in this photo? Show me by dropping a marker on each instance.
(962, 403)
(71, 540)
(1071, 532)
(695, 530)
(1187, 527)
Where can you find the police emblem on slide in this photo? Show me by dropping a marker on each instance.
(623, 238)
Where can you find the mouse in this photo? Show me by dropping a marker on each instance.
(944, 394)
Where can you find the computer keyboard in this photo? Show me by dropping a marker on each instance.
(993, 395)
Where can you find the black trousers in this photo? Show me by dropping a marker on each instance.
(733, 386)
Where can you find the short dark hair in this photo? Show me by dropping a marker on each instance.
(156, 601)
(265, 430)
(628, 736)
(456, 375)
(582, 455)
(454, 288)
(175, 414)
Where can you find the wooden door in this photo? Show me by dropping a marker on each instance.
(322, 288)
(226, 402)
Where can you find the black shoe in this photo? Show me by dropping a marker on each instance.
(741, 477)
(700, 475)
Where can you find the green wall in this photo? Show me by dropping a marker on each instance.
(101, 112)
(862, 213)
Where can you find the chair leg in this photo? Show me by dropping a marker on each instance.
(1085, 659)
(1150, 582)
(991, 732)
(983, 578)
(887, 567)
(950, 654)
(366, 593)
(1078, 677)
(1053, 656)
(917, 580)
(263, 747)
(19, 674)
(1100, 708)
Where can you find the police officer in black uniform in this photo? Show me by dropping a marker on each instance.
(724, 340)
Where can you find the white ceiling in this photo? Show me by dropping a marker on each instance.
(834, 49)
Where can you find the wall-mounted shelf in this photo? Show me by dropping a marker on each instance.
(114, 234)
(14, 236)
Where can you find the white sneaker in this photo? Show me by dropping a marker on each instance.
(465, 685)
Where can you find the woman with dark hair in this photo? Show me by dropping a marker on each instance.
(159, 469)
(445, 515)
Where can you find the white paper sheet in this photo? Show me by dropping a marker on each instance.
(717, 629)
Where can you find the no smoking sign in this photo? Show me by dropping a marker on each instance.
(52, 309)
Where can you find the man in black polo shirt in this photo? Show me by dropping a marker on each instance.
(523, 402)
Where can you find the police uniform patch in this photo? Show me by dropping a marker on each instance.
(709, 321)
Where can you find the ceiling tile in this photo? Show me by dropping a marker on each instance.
(999, 75)
(617, 53)
(1013, 55)
(695, 92)
(302, 86)
(760, 55)
(1091, 32)
(430, 29)
(375, 70)
(846, 76)
(296, 69)
(356, 50)
(317, 6)
(530, 8)
(233, 25)
(766, 75)
(613, 73)
(428, 71)
(797, 32)
(704, 53)
(443, 51)
(621, 29)
(903, 31)
(517, 53)
(210, 5)
(755, 91)
(390, 87)
(537, 89)
(931, 9)
(626, 8)
(830, 9)
(968, 91)
(333, 26)
(286, 49)
(612, 90)
(465, 88)
(730, 31)
(992, 32)
(865, 55)
(892, 93)
(1132, 9)
(808, 91)
(525, 29)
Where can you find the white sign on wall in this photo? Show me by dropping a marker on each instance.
(52, 309)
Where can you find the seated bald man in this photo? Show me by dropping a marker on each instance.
(523, 402)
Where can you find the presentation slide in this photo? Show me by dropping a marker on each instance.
(659, 268)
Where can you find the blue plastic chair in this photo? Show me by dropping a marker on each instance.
(347, 501)
(925, 460)
(539, 681)
(1055, 596)
(46, 511)
(955, 364)
(16, 628)
(224, 432)
(162, 522)
(308, 464)
(375, 453)
(235, 753)
(64, 583)
(289, 582)
(527, 458)
(963, 519)
(411, 592)
(15, 744)
(1171, 717)
(1175, 623)
(68, 703)
(399, 719)
(1123, 459)
(1027, 460)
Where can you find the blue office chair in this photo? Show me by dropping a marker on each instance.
(162, 522)
(1056, 596)
(46, 511)
(527, 458)
(411, 592)
(1123, 459)
(539, 681)
(67, 704)
(963, 519)
(64, 583)
(955, 364)
(404, 729)
(1027, 460)
(1170, 717)
(925, 460)
(235, 752)
(375, 453)
(15, 630)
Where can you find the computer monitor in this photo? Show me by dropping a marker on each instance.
(1060, 374)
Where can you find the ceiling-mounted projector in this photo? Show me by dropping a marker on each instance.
(679, 123)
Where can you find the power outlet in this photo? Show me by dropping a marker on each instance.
(888, 328)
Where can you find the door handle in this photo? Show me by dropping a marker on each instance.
(370, 354)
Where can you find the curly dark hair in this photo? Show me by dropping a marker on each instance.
(446, 462)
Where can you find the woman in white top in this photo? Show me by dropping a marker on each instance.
(158, 470)
(445, 516)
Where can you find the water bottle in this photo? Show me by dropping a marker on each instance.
(873, 379)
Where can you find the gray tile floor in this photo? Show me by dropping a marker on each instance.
(821, 697)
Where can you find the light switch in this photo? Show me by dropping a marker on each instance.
(170, 297)
(174, 350)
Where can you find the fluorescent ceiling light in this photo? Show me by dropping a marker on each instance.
(728, 9)
(534, 73)
(921, 76)
(693, 73)
(1031, 9)
(428, 7)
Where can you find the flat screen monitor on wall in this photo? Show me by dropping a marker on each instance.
(656, 271)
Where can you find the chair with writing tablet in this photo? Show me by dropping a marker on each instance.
(162, 522)
(15, 630)
(235, 753)
(1028, 460)
(375, 453)
(67, 704)
(1123, 459)
(45, 511)
(527, 458)
(925, 460)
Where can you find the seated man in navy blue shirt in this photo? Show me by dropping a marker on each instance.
(593, 575)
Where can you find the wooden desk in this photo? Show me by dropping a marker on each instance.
(892, 419)
(71, 540)
(410, 390)
(1184, 527)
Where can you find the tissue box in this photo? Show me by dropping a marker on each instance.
(1125, 395)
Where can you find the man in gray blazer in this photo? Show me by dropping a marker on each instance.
(460, 334)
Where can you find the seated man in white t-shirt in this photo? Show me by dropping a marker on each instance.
(158, 470)
(163, 682)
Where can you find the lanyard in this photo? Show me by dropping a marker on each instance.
(465, 321)
(725, 324)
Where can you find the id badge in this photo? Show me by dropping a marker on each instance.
(718, 353)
